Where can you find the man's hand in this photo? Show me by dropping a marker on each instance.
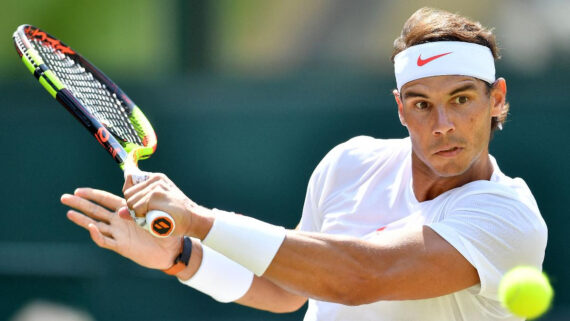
(108, 221)
(160, 193)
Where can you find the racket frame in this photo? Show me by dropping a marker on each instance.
(126, 154)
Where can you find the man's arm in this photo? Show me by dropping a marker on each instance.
(401, 265)
(265, 295)
(414, 264)
(118, 232)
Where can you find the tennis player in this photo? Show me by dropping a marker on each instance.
(418, 228)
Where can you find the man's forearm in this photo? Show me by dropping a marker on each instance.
(415, 263)
(266, 295)
(226, 281)
(330, 268)
(313, 265)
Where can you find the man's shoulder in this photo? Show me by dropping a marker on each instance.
(500, 186)
(366, 148)
(505, 189)
(506, 197)
(368, 141)
(362, 154)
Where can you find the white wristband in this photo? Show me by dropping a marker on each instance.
(245, 240)
(219, 277)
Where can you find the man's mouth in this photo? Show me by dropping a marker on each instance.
(449, 151)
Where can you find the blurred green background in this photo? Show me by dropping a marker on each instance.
(246, 97)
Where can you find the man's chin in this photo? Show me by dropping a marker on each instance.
(450, 170)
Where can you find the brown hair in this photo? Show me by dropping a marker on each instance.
(430, 25)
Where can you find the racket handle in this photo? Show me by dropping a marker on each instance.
(158, 223)
(137, 175)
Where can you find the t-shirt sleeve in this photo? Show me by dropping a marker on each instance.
(340, 168)
(323, 177)
(311, 219)
(494, 233)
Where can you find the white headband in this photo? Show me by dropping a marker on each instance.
(442, 58)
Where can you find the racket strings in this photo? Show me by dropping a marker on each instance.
(94, 95)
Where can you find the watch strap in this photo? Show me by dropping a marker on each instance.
(181, 261)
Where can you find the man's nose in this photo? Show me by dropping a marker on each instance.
(443, 124)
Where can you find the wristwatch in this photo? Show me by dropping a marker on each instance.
(181, 261)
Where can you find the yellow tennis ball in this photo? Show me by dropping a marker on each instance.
(526, 292)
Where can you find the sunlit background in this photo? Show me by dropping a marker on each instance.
(246, 96)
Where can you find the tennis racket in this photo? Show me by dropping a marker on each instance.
(98, 104)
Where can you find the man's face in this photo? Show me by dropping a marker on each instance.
(449, 121)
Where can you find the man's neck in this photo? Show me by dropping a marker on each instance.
(427, 185)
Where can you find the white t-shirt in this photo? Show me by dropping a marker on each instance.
(365, 184)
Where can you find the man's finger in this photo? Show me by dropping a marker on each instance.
(100, 239)
(79, 219)
(103, 198)
(130, 189)
(104, 228)
(134, 189)
(85, 221)
(138, 202)
(89, 208)
(124, 213)
(134, 179)
(128, 182)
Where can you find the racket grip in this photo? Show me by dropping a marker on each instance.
(137, 175)
(159, 223)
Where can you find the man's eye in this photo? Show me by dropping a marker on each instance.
(461, 100)
(421, 105)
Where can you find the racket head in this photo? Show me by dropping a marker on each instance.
(88, 94)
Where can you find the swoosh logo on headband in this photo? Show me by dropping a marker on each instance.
(422, 62)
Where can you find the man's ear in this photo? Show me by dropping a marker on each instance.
(400, 106)
(498, 97)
